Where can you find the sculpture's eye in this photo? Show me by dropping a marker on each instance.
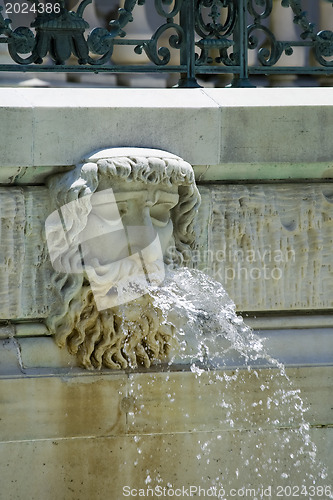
(160, 213)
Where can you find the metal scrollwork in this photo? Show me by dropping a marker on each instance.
(58, 34)
(101, 41)
(161, 56)
(271, 48)
(215, 20)
(271, 51)
(322, 42)
(20, 41)
(211, 36)
(324, 47)
(159, 6)
(265, 12)
(61, 34)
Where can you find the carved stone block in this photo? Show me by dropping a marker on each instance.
(25, 267)
(270, 245)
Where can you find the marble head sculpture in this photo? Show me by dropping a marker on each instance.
(120, 216)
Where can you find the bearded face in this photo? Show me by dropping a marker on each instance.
(122, 246)
(113, 253)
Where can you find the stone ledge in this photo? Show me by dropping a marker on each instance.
(204, 126)
(40, 356)
(263, 172)
(60, 126)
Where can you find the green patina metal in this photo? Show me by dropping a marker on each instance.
(209, 36)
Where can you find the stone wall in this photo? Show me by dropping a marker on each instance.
(269, 244)
(263, 163)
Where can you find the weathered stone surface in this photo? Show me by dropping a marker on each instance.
(76, 404)
(93, 435)
(178, 402)
(68, 469)
(69, 435)
(64, 406)
(269, 245)
(274, 124)
(25, 268)
(46, 123)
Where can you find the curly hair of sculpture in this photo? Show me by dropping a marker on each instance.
(155, 199)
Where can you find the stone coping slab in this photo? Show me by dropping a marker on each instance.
(237, 133)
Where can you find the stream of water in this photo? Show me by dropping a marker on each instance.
(261, 438)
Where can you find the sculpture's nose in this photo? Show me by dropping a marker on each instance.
(140, 232)
(137, 218)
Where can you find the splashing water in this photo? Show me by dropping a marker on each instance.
(256, 416)
(205, 317)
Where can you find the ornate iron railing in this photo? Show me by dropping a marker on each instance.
(194, 37)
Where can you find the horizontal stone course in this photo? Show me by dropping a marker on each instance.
(97, 433)
(79, 468)
(80, 404)
(219, 127)
(269, 245)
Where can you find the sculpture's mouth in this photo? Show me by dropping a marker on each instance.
(123, 281)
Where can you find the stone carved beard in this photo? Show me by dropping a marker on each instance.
(124, 336)
(134, 333)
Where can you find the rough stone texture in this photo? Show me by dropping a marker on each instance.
(270, 245)
(25, 268)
